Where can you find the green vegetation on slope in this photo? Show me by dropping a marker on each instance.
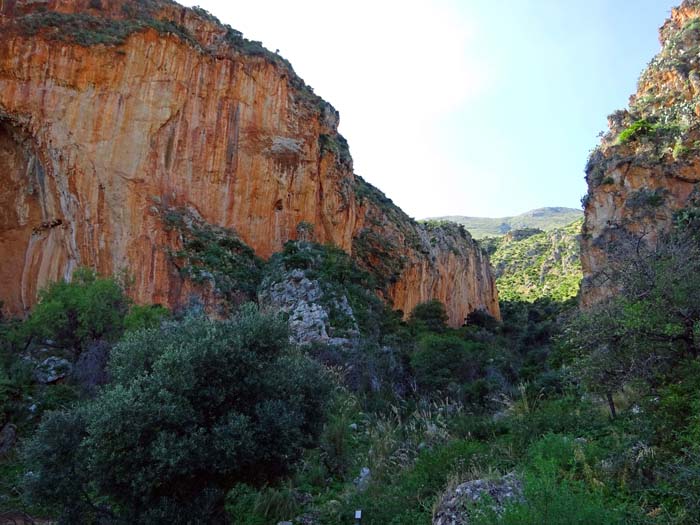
(531, 265)
(543, 218)
(225, 422)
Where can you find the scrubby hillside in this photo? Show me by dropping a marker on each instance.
(533, 264)
(542, 218)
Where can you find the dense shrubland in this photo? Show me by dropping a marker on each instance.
(533, 264)
(226, 421)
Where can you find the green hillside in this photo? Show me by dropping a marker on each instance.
(543, 218)
(533, 264)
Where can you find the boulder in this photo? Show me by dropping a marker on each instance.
(362, 481)
(457, 504)
(52, 370)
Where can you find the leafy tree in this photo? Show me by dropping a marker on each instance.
(148, 316)
(71, 313)
(430, 316)
(441, 360)
(195, 407)
(651, 324)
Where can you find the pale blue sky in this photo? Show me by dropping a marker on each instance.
(471, 107)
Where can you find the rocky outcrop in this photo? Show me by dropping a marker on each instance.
(647, 167)
(459, 503)
(302, 299)
(111, 112)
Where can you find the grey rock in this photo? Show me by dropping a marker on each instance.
(353, 427)
(362, 481)
(306, 519)
(457, 504)
(8, 438)
(52, 369)
(304, 302)
(91, 367)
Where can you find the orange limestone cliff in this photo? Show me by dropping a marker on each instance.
(113, 111)
(647, 167)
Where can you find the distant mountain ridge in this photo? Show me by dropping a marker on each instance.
(542, 218)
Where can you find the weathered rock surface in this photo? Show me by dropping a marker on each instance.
(112, 111)
(302, 300)
(8, 438)
(52, 370)
(455, 506)
(648, 165)
(363, 480)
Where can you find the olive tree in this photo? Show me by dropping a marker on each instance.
(195, 407)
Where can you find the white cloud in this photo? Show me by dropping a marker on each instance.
(396, 71)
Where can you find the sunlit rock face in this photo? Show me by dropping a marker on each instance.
(113, 111)
(647, 167)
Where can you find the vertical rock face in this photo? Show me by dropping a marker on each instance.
(647, 167)
(111, 111)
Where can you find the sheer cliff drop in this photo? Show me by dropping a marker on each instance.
(648, 165)
(111, 112)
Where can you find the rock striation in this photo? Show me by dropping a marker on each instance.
(113, 111)
(647, 167)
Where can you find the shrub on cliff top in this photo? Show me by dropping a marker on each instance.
(638, 129)
(88, 30)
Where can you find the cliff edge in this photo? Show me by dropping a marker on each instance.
(647, 167)
(113, 113)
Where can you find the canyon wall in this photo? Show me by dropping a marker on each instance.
(113, 112)
(647, 167)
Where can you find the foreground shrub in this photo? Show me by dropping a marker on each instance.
(408, 497)
(441, 360)
(194, 408)
(554, 502)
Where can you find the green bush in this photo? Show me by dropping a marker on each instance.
(430, 316)
(441, 360)
(194, 408)
(565, 415)
(640, 335)
(89, 307)
(638, 129)
(143, 317)
(555, 502)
